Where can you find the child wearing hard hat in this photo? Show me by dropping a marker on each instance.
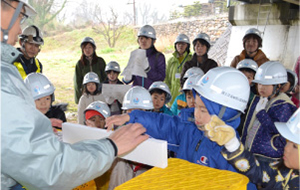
(161, 95)
(260, 135)
(180, 101)
(42, 91)
(91, 92)
(136, 98)
(95, 115)
(283, 174)
(222, 91)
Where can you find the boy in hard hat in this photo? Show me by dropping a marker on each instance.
(161, 95)
(186, 98)
(222, 91)
(283, 174)
(42, 91)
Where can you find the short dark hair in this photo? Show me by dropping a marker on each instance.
(247, 70)
(203, 42)
(158, 91)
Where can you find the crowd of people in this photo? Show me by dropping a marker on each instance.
(243, 118)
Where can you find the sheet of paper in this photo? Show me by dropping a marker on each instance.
(112, 92)
(152, 152)
(137, 64)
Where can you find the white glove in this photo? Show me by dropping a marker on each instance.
(233, 144)
(261, 104)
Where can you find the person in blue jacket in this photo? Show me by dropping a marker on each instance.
(161, 95)
(224, 92)
(283, 174)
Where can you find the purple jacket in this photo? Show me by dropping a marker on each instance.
(157, 70)
(267, 140)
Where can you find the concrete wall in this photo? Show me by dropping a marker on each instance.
(280, 43)
(280, 36)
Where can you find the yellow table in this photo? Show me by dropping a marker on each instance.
(181, 174)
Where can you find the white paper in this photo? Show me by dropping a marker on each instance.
(137, 64)
(112, 92)
(152, 152)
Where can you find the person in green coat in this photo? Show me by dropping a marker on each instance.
(89, 62)
(175, 63)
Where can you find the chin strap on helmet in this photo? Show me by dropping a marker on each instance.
(12, 22)
(276, 91)
(222, 111)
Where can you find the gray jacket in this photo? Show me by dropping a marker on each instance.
(30, 153)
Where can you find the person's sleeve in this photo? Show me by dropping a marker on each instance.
(41, 66)
(168, 79)
(158, 73)
(103, 73)
(245, 163)
(174, 107)
(78, 78)
(37, 160)
(280, 113)
(159, 126)
(234, 62)
(81, 107)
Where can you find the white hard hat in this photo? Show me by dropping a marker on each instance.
(113, 66)
(291, 129)
(193, 71)
(247, 64)
(29, 10)
(191, 81)
(147, 31)
(182, 38)
(91, 77)
(32, 34)
(88, 40)
(137, 97)
(295, 79)
(162, 86)
(202, 36)
(100, 107)
(39, 85)
(252, 31)
(271, 73)
(226, 86)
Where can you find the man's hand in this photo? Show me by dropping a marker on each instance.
(128, 137)
(116, 120)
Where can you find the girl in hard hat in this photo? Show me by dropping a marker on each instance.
(161, 95)
(157, 63)
(186, 99)
(260, 135)
(283, 174)
(200, 58)
(89, 62)
(90, 94)
(252, 41)
(222, 91)
(175, 63)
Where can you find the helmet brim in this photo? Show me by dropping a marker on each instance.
(286, 133)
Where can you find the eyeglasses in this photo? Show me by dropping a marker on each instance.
(24, 16)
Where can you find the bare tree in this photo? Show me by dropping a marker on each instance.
(110, 27)
(46, 10)
(150, 15)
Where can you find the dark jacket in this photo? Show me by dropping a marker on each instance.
(205, 65)
(81, 70)
(265, 174)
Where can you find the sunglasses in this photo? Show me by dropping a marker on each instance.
(24, 16)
